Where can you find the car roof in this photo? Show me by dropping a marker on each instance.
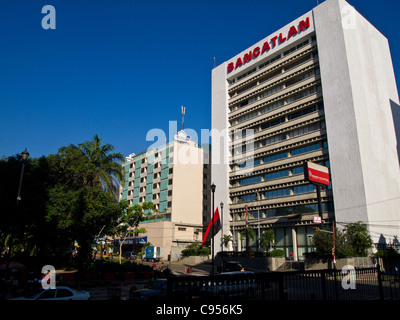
(238, 272)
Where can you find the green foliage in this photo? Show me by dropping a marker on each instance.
(275, 253)
(226, 240)
(359, 239)
(194, 249)
(252, 233)
(387, 253)
(102, 164)
(355, 241)
(268, 238)
(67, 197)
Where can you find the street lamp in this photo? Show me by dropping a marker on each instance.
(212, 238)
(25, 156)
(222, 225)
(258, 221)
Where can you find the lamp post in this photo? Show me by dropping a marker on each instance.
(258, 221)
(212, 238)
(222, 225)
(24, 156)
(222, 234)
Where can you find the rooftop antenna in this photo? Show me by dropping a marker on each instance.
(215, 64)
(183, 116)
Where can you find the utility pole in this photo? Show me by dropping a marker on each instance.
(212, 237)
(247, 238)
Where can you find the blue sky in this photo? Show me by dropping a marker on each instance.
(121, 68)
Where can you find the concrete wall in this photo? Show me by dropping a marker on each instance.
(187, 184)
(358, 84)
(220, 145)
(356, 262)
(257, 264)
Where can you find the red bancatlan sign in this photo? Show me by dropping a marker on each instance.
(316, 173)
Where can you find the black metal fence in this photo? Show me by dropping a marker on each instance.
(345, 284)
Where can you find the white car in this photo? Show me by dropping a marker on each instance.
(59, 293)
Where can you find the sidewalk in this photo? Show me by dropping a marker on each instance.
(180, 269)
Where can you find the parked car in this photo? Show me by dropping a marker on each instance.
(156, 290)
(231, 266)
(60, 293)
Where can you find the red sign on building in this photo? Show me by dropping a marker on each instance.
(316, 174)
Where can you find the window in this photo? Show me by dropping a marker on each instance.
(303, 130)
(248, 197)
(308, 57)
(62, 293)
(247, 117)
(277, 193)
(48, 294)
(278, 211)
(303, 94)
(250, 163)
(274, 157)
(271, 91)
(272, 106)
(305, 149)
(276, 175)
(273, 139)
(273, 123)
(298, 170)
(296, 47)
(304, 189)
(302, 112)
(250, 180)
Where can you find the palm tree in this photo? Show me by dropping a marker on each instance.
(268, 238)
(108, 169)
(226, 239)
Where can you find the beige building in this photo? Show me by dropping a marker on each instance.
(175, 178)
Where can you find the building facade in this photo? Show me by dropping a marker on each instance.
(175, 178)
(320, 89)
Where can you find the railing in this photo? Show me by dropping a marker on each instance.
(345, 284)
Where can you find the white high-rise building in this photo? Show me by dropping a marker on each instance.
(320, 89)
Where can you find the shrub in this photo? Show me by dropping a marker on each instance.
(275, 253)
(195, 250)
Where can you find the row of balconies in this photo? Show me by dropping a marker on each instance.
(271, 68)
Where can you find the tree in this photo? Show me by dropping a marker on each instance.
(352, 241)
(80, 199)
(129, 222)
(78, 215)
(268, 238)
(227, 239)
(359, 239)
(323, 242)
(26, 221)
(252, 233)
(107, 170)
(66, 197)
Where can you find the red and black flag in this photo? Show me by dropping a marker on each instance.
(217, 226)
